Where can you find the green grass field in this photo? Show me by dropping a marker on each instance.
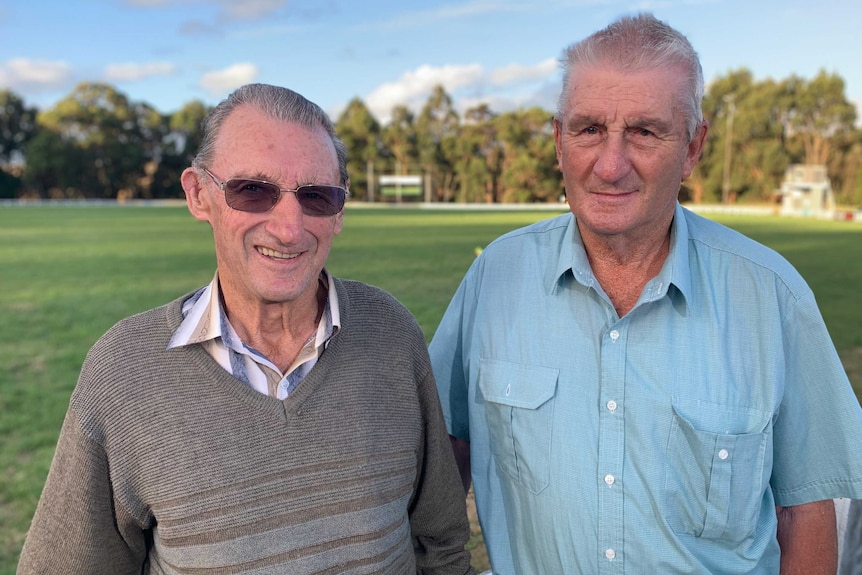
(69, 273)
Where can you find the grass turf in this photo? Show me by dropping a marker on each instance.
(69, 273)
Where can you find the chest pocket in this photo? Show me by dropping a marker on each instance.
(717, 470)
(519, 409)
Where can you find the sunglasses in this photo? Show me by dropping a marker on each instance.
(258, 196)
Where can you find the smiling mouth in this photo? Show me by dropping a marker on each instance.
(275, 255)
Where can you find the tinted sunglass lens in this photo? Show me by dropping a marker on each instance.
(320, 200)
(250, 195)
(259, 196)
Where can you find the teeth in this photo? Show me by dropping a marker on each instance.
(277, 255)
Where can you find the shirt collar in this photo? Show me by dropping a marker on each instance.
(204, 318)
(675, 271)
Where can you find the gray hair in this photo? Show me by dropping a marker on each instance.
(277, 103)
(634, 44)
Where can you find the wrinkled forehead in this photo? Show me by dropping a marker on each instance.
(249, 130)
(600, 86)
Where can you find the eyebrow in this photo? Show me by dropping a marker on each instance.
(657, 124)
(653, 123)
(254, 176)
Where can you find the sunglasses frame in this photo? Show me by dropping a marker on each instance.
(276, 197)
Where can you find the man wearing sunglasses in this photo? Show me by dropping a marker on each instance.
(277, 420)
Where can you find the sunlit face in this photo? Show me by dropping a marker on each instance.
(623, 149)
(276, 256)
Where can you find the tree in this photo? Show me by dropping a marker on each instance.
(399, 138)
(116, 138)
(744, 154)
(437, 131)
(529, 170)
(17, 126)
(480, 156)
(818, 113)
(360, 132)
(56, 167)
(183, 133)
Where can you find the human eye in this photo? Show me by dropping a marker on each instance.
(311, 192)
(642, 132)
(254, 187)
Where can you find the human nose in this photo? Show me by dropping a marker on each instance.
(613, 162)
(286, 220)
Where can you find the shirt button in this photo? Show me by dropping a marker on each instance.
(612, 406)
(723, 454)
(610, 554)
(614, 335)
(609, 479)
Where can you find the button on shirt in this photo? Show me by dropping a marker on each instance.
(205, 323)
(658, 442)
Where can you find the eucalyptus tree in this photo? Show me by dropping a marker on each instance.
(818, 112)
(744, 157)
(479, 154)
(17, 126)
(437, 132)
(182, 133)
(529, 166)
(114, 138)
(399, 141)
(360, 131)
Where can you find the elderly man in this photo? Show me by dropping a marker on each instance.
(635, 388)
(278, 420)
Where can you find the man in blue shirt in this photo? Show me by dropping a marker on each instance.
(637, 389)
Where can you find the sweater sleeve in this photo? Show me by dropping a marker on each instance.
(438, 516)
(78, 527)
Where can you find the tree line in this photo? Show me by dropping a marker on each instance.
(98, 143)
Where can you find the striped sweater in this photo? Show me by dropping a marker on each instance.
(166, 464)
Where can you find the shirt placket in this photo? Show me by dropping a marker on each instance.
(611, 449)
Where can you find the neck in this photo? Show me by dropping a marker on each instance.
(623, 267)
(278, 330)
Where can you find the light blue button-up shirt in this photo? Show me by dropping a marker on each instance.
(658, 442)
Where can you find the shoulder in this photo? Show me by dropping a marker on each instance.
(728, 249)
(526, 252)
(370, 307)
(126, 364)
(546, 231)
(140, 333)
(132, 349)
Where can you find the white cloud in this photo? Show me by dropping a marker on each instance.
(24, 74)
(517, 73)
(130, 72)
(503, 89)
(220, 82)
(413, 88)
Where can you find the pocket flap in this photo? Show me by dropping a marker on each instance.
(517, 385)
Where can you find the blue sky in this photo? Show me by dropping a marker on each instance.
(387, 52)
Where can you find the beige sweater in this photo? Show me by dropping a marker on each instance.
(167, 464)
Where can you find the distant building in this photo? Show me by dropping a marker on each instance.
(807, 191)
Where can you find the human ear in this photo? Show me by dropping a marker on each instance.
(695, 148)
(197, 198)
